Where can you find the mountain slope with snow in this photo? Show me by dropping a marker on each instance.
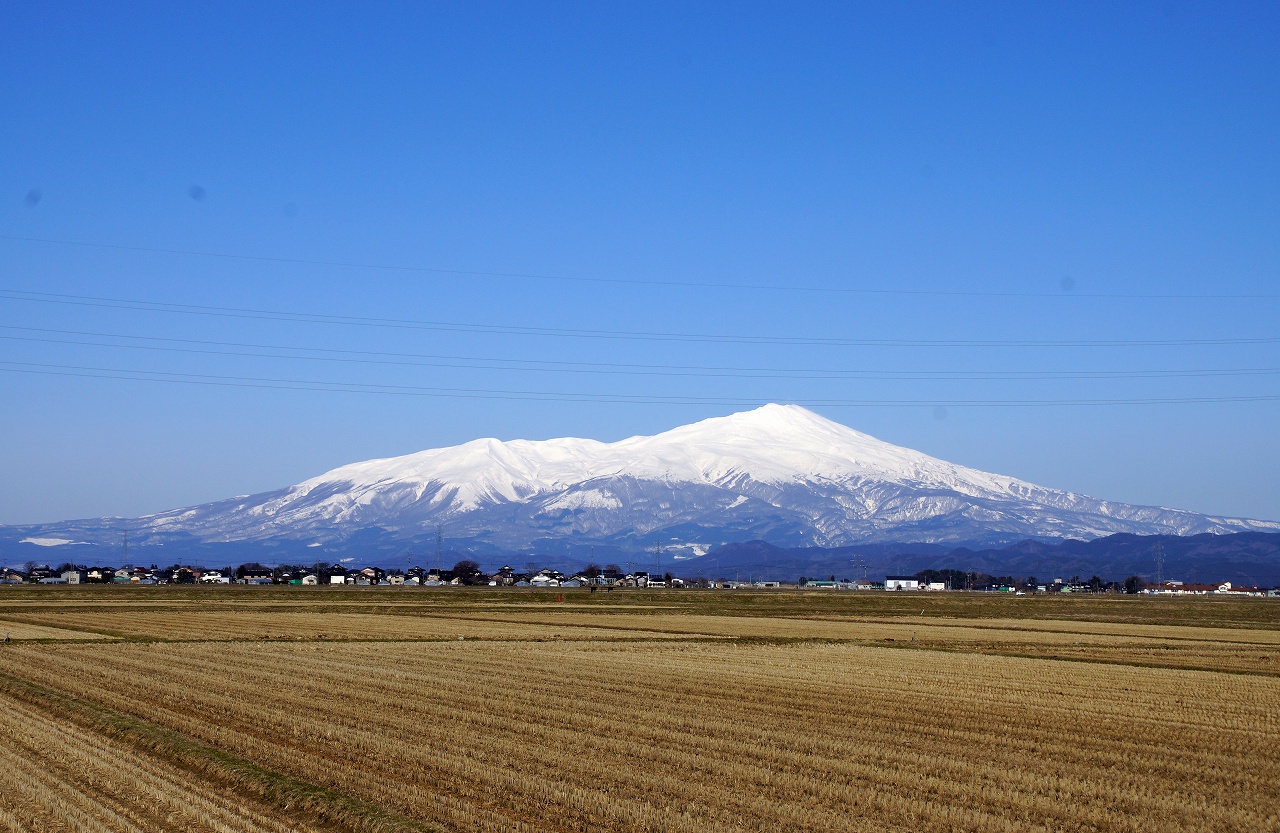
(779, 473)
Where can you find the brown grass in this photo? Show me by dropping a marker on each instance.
(56, 776)
(699, 737)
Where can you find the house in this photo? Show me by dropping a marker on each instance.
(1227, 587)
(310, 580)
(901, 583)
(547, 578)
(256, 575)
(936, 585)
(76, 576)
(10, 576)
(822, 585)
(1171, 588)
(214, 577)
(506, 577)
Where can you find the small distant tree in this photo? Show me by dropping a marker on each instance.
(591, 570)
(1133, 584)
(467, 570)
(1095, 583)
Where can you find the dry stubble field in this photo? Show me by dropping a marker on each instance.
(247, 709)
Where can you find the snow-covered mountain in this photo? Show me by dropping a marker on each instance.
(779, 473)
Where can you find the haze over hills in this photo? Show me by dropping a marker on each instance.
(779, 474)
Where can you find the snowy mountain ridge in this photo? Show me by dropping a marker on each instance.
(773, 444)
(778, 473)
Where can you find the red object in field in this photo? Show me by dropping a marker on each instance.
(559, 597)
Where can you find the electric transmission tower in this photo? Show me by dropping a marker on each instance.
(1159, 563)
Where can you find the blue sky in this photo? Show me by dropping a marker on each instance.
(927, 174)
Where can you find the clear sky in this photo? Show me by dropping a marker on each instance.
(619, 219)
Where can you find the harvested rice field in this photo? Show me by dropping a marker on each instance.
(689, 711)
(23, 630)
(251, 625)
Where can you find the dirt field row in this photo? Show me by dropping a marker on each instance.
(199, 625)
(25, 630)
(1255, 651)
(56, 776)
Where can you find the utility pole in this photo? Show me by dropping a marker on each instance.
(1159, 563)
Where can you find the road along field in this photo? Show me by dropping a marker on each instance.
(679, 722)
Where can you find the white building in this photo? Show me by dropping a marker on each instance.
(901, 583)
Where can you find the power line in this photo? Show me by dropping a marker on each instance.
(691, 371)
(385, 267)
(480, 393)
(492, 329)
